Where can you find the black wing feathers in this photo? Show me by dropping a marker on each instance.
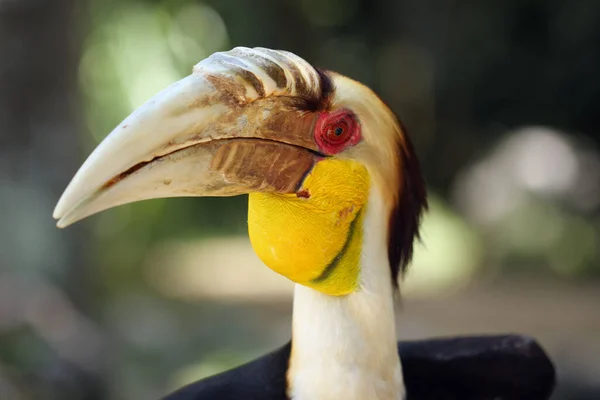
(506, 367)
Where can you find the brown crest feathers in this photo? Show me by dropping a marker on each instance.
(406, 214)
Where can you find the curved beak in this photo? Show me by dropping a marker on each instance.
(199, 137)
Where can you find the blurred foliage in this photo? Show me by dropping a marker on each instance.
(499, 97)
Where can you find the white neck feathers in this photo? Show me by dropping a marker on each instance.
(345, 347)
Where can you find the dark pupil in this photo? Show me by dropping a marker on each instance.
(338, 131)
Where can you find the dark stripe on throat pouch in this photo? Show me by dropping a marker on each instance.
(336, 260)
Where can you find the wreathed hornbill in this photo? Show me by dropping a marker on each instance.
(335, 200)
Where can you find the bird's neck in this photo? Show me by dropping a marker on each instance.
(345, 347)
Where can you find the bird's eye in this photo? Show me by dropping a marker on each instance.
(336, 131)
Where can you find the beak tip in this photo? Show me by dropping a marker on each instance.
(60, 208)
(64, 207)
(62, 214)
(66, 220)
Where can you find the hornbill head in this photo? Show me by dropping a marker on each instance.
(309, 146)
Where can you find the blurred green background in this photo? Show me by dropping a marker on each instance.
(500, 98)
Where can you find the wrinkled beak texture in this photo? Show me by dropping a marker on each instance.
(231, 127)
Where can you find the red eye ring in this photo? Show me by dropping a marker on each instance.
(336, 131)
